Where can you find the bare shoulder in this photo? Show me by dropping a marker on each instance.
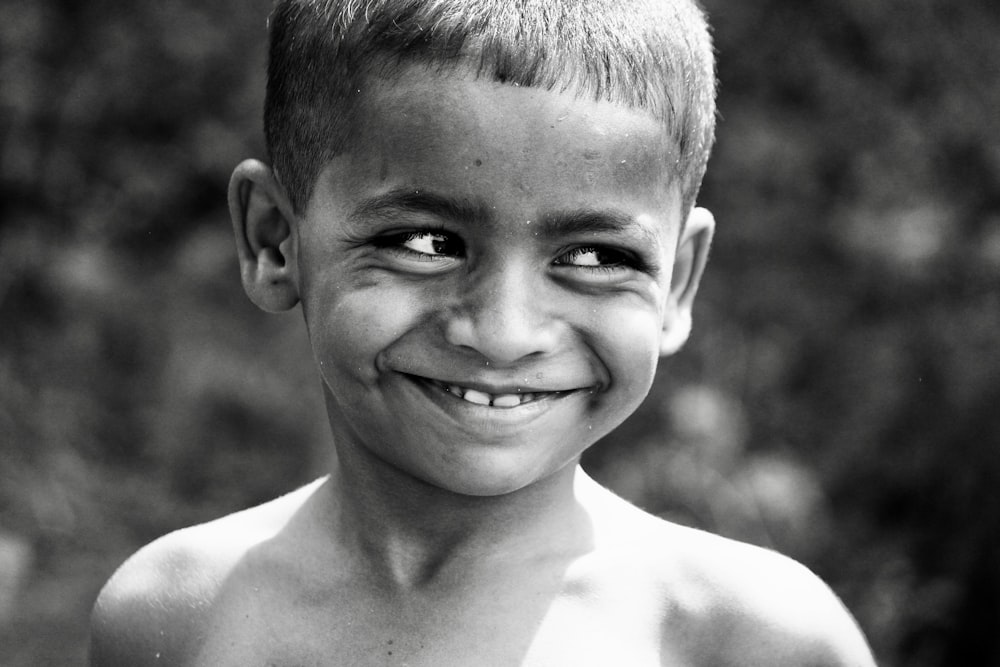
(729, 603)
(774, 610)
(153, 609)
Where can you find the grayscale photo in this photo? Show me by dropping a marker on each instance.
(500, 333)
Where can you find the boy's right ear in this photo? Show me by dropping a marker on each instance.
(264, 224)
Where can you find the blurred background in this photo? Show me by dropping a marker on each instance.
(839, 400)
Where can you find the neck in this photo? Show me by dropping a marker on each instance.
(411, 533)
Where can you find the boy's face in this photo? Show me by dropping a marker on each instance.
(483, 243)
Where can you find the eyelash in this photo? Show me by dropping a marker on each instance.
(396, 242)
(620, 259)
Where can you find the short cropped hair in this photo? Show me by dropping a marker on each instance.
(653, 55)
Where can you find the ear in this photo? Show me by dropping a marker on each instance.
(689, 264)
(264, 224)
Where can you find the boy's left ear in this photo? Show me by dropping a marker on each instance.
(264, 224)
(689, 264)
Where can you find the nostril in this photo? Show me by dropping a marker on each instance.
(501, 336)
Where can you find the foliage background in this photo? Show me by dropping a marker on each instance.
(838, 401)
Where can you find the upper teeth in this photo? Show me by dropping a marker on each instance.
(482, 398)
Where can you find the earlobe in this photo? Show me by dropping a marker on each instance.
(689, 265)
(263, 222)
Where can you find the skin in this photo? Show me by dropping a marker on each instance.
(515, 243)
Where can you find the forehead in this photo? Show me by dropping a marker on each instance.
(523, 148)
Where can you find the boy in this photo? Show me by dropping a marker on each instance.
(485, 208)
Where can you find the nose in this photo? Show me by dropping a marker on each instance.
(504, 316)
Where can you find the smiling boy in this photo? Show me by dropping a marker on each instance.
(486, 210)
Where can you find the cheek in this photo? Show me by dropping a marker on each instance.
(630, 344)
(352, 328)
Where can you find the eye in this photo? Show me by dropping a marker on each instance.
(435, 244)
(596, 257)
(420, 251)
(422, 244)
(602, 266)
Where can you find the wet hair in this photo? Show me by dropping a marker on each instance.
(653, 55)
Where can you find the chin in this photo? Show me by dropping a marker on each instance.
(492, 481)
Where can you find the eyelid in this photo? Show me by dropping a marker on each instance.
(392, 245)
(626, 258)
(398, 237)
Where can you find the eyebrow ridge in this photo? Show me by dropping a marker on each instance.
(594, 221)
(413, 200)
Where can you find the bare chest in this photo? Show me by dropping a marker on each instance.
(527, 628)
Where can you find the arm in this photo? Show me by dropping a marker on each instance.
(148, 613)
(791, 617)
(117, 633)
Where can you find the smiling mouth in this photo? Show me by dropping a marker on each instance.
(504, 400)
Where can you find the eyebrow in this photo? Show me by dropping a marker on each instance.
(599, 221)
(390, 204)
